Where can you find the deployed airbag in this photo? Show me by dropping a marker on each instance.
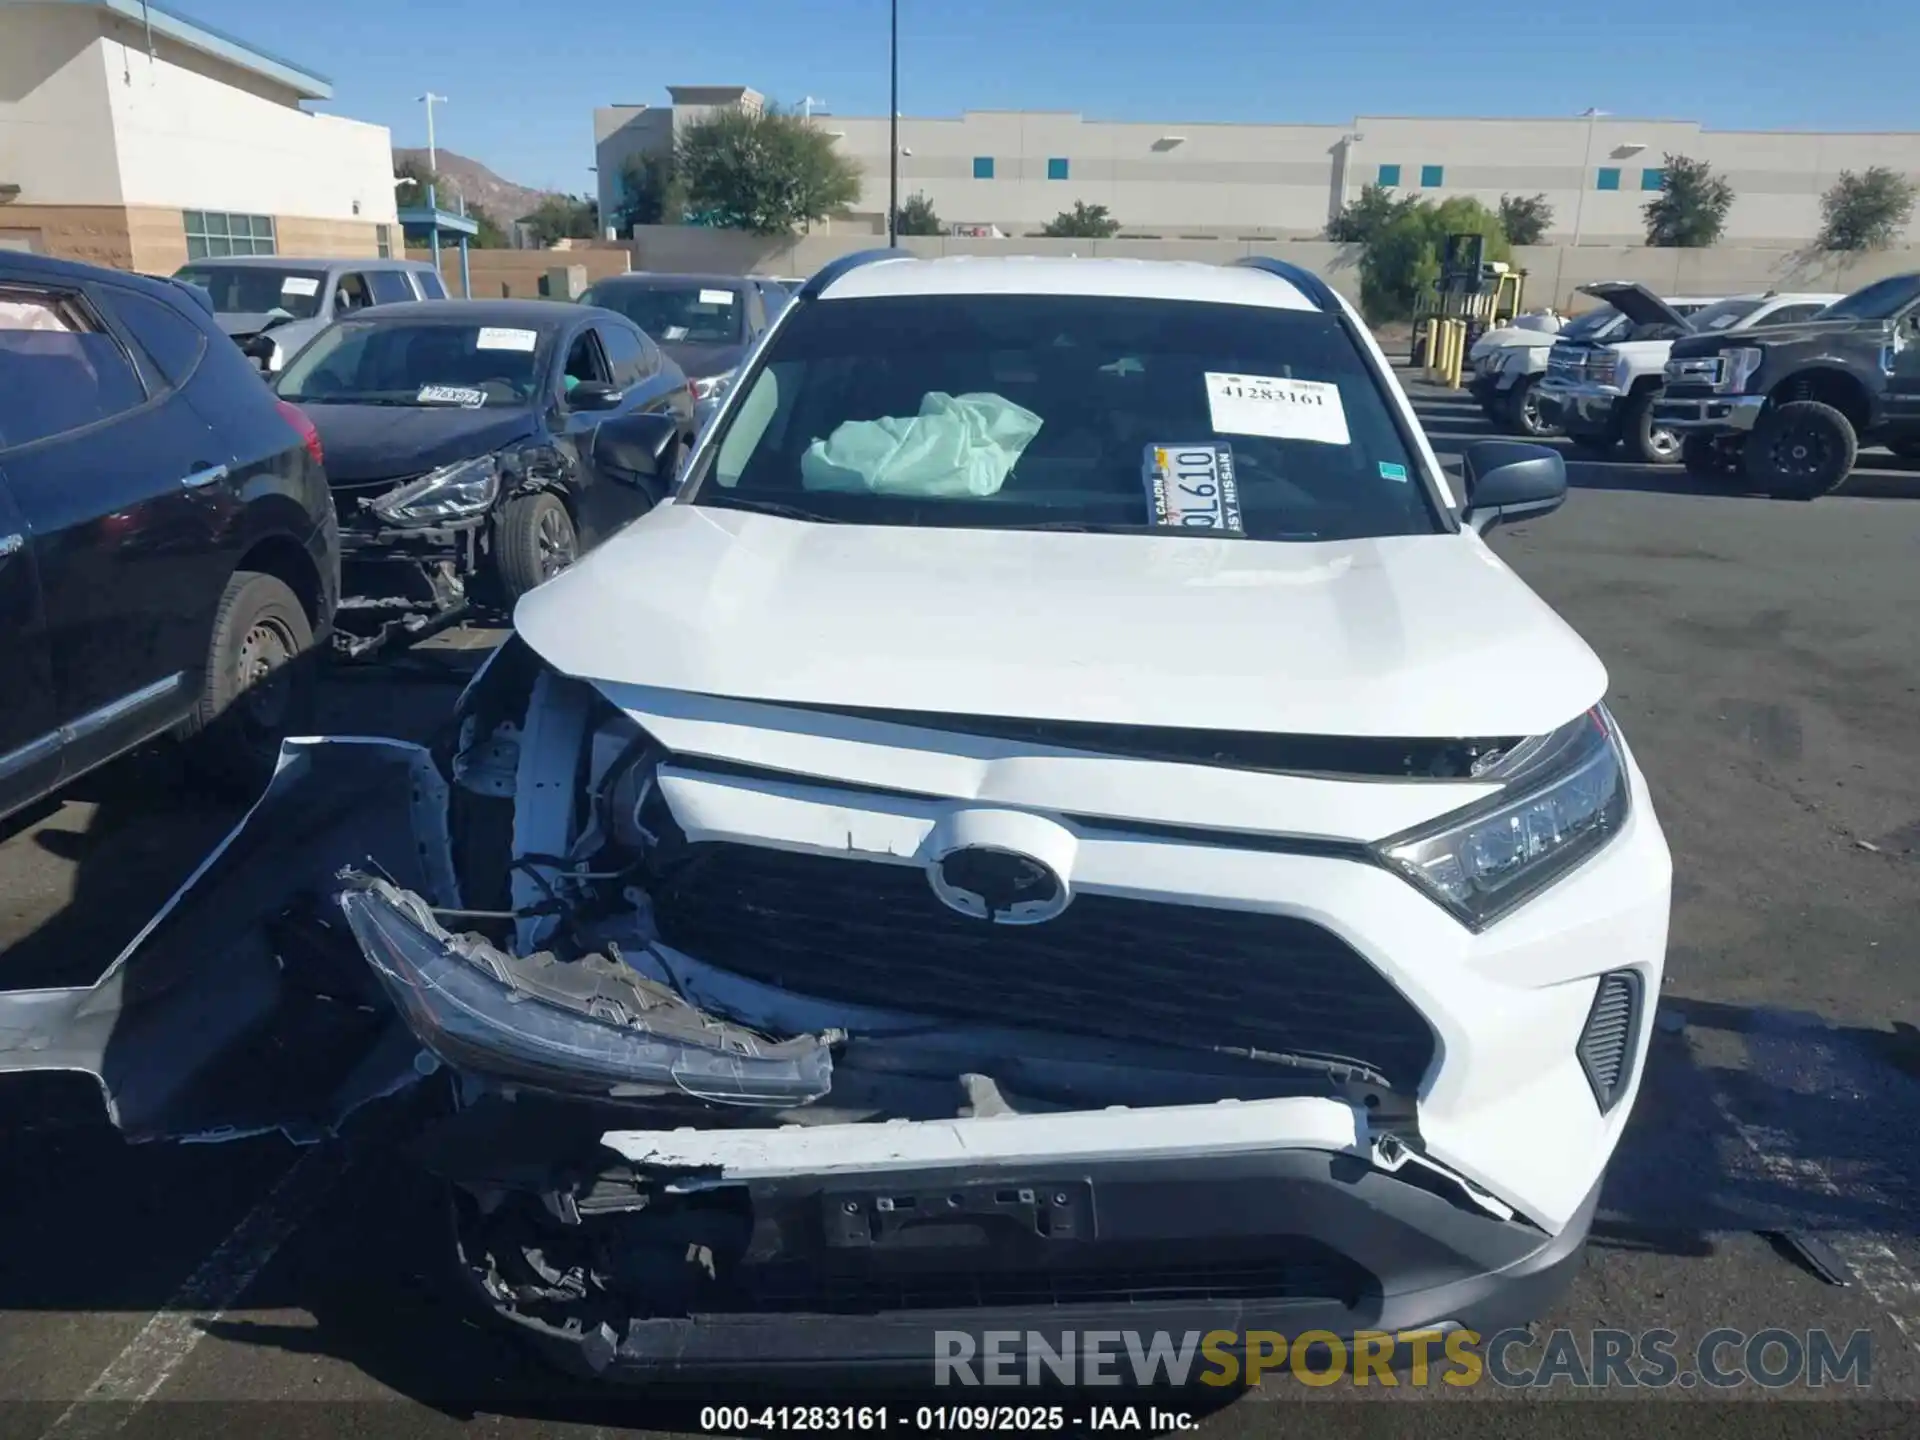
(956, 446)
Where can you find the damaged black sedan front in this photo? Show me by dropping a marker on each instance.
(477, 448)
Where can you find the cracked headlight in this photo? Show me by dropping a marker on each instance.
(453, 492)
(1564, 798)
(709, 388)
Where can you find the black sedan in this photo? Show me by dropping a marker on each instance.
(707, 323)
(476, 448)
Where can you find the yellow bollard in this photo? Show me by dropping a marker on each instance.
(1427, 337)
(1457, 356)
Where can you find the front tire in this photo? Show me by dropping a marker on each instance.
(1648, 443)
(1801, 450)
(535, 541)
(1520, 411)
(261, 682)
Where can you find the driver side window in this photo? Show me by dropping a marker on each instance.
(585, 362)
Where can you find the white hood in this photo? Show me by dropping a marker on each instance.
(1411, 636)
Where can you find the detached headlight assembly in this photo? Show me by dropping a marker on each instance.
(711, 387)
(1738, 367)
(453, 492)
(1564, 797)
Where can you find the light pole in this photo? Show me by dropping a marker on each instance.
(893, 123)
(1580, 205)
(806, 106)
(433, 154)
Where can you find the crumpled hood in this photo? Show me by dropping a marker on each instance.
(383, 442)
(1406, 636)
(1634, 300)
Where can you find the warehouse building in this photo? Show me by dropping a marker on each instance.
(1016, 170)
(131, 136)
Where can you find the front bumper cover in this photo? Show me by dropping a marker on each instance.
(1719, 414)
(1580, 407)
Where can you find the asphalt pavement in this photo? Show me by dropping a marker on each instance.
(1765, 663)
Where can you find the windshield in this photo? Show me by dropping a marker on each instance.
(1068, 412)
(678, 314)
(257, 290)
(1721, 315)
(370, 362)
(1593, 324)
(1881, 300)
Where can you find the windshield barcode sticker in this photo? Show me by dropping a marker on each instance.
(1191, 487)
(300, 285)
(1277, 407)
(502, 337)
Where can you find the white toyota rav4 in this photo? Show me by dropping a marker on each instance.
(1060, 824)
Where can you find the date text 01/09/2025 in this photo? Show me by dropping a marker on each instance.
(940, 1419)
(1192, 487)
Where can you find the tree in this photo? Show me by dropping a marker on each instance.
(1525, 218)
(563, 217)
(492, 236)
(767, 171)
(1361, 220)
(1083, 222)
(1866, 211)
(650, 193)
(1403, 260)
(1691, 209)
(917, 217)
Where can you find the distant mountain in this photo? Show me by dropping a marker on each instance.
(505, 201)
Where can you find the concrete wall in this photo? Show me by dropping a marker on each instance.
(1553, 272)
(56, 127)
(191, 137)
(1185, 178)
(500, 274)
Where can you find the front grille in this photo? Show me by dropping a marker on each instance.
(1606, 1041)
(870, 933)
(1566, 363)
(1308, 1272)
(1707, 371)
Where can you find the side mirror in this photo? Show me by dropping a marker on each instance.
(638, 447)
(259, 349)
(1509, 481)
(594, 395)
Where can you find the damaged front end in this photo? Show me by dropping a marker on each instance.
(708, 1115)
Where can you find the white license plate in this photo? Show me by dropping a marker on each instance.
(1192, 487)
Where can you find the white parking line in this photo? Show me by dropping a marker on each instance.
(1881, 1273)
(135, 1375)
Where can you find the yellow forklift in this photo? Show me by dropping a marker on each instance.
(1479, 292)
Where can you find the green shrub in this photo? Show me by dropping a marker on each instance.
(1403, 259)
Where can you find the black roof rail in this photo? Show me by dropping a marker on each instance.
(1305, 281)
(828, 273)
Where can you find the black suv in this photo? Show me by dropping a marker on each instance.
(1791, 405)
(168, 549)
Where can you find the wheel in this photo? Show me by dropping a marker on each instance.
(1648, 443)
(1801, 450)
(534, 542)
(260, 684)
(1520, 411)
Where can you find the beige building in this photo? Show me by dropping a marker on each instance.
(130, 136)
(1016, 170)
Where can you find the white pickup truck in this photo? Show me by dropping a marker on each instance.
(1509, 363)
(1600, 388)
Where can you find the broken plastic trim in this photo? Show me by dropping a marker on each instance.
(581, 1028)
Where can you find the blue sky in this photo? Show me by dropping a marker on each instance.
(523, 79)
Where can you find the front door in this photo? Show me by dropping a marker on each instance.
(1903, 381)
(29, 741)
(119, 481)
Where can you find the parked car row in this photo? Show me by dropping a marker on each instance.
(1779, 388)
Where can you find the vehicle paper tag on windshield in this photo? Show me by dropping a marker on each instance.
(1191, 487)
(499, 337)
(451, 395)
(300, 285)
(716, 297)
(676, 332)
(1277, 407)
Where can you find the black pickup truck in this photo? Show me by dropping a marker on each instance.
(1790, 406)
